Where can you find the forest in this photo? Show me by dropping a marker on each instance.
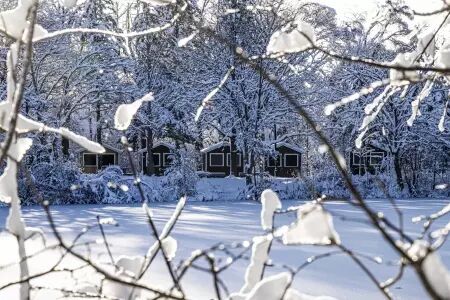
(181, 117)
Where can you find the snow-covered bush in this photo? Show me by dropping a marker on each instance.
(53, 180)
(182, 173)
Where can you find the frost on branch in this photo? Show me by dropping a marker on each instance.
(270, 203)
(292, 38)
(403, 60)
(432, 266)
(125, 112)
(14, 22)
(314, 225)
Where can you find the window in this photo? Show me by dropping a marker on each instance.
(156, 159)
(143, 143)
(216, 160)
(376, 158)
(356, 159)
(168, 159)
(106, 159)
(90, 159)
(291, 160)
(238, 155)
(275, 162)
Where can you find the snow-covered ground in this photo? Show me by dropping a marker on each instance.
(204, 224)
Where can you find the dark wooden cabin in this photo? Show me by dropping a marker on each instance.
(367, 159)
(162, 157)
(287, 162)
(216, 160)
(93, 162)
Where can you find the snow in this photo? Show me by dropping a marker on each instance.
(403, 60)
(14, 22)
(270, 288)
(169, 244)
(184, 41)
(270, 203)
(125, 112)
(215, 146)
(291, 39)
(204, 224)
(313, 226)
(260, 248)
(81, 140)
(433, 267)
(212, 93)
(159, 2)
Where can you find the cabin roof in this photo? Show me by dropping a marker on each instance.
(215, 146)
(106, 146)
(168, 145)
(290, 146)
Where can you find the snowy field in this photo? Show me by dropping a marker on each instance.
(204, 224)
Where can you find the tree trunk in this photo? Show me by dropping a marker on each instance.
(150, 170)
(65, 147)
(233, 157)
(398, 171)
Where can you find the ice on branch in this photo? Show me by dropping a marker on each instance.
(169, 245)
(125, 112)
(18, 149)
(212, 94)
(81, 140)
(442, 119)
(314, 225)
(435, 271)
(259, 257)
(23, 124)
(372, 110)
(14, 22)
(184, 41)
(403, 60)
(292, 38)
(270, 203)
(416, 103)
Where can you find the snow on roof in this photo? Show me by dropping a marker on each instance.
(106, 146)
(290, 146)
(170, 146)
(215, 146)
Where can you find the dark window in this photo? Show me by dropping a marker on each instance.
(106, 160)
(143, 143)
(274, 162)
(376, 158)
(90, 159)
(356, 159)
(291, 160)
(168, 159)
(156, 159)
(238, 158)
(216, 160)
